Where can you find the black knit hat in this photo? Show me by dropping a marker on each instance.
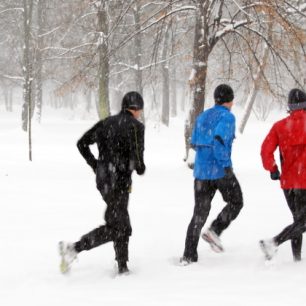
(296, 99)
(223, 94)
(132, 100)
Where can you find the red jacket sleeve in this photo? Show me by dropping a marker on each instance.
(268, 148)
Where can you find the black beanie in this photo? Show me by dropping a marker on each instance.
(296, 99)
(132, 100)
(223, 94)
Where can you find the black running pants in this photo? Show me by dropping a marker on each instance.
(117, 227)
(296, 199)
(204, 191)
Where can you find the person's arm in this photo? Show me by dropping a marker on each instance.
(140, 166)
(222, 142)
(83, 144)
(268, 148)
(193, 146)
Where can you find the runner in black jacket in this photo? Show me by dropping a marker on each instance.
(120, 141)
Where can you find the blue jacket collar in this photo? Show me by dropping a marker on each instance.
(218, 106)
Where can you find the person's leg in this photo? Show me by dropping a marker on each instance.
(102, 234)
(121, 247)
(232, 195)
(123, 230)
(68, 251)
(290, 232)
(94, 238)
(295, 208)
(298, 227)
(204, 192)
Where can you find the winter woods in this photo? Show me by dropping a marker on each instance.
(88, 53)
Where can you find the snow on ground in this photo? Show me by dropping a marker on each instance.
(54, 198)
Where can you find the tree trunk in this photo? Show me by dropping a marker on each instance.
(6, 97)
(39, 63)
(256, 85)
(27, 65)
(166, 82)
(183, 92)
(10, 106)
(201, 51)
(30, 112)
(88, 99)
(138, 49)
(173, 74)
(138, 53)
(33, 90)
(249, 105)
(173, 91)
(103, 73)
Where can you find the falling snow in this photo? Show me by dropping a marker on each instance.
(55, 198)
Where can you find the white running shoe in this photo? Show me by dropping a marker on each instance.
(268, 247)
(214, 241)
(185, 261)
(68, 255)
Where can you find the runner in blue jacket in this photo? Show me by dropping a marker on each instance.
(212, 139)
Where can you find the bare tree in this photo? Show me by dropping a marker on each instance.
(165, 80)
(41, 5)
(138, 48)
(28, 72)
(216, 23)
(103, 71)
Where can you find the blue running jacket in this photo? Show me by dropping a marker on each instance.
(212, 138)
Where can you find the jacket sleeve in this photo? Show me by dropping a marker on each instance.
(268, 148)
(194, 135)
(222, 142)
(140, 166)
(83, 144)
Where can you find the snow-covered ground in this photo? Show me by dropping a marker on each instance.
(54, 198)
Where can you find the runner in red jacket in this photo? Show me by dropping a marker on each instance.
(289, 135)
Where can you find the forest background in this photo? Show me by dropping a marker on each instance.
(88, 53)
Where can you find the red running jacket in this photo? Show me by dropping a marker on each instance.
(289, 134)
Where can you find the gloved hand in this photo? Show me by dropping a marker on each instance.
(275, 175)
(228, 172)
(140, 169)
(191, 158)
(190, 166)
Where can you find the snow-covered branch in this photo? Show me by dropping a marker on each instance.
(12, 9)
(296, 10)
(154, 64)
(11, 77)
(275, 51)
(67, 50)
(49, 32)
(231, 27)
(144, 28)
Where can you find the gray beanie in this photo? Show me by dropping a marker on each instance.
(296, 99)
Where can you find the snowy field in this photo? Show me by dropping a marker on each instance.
(54, 198)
